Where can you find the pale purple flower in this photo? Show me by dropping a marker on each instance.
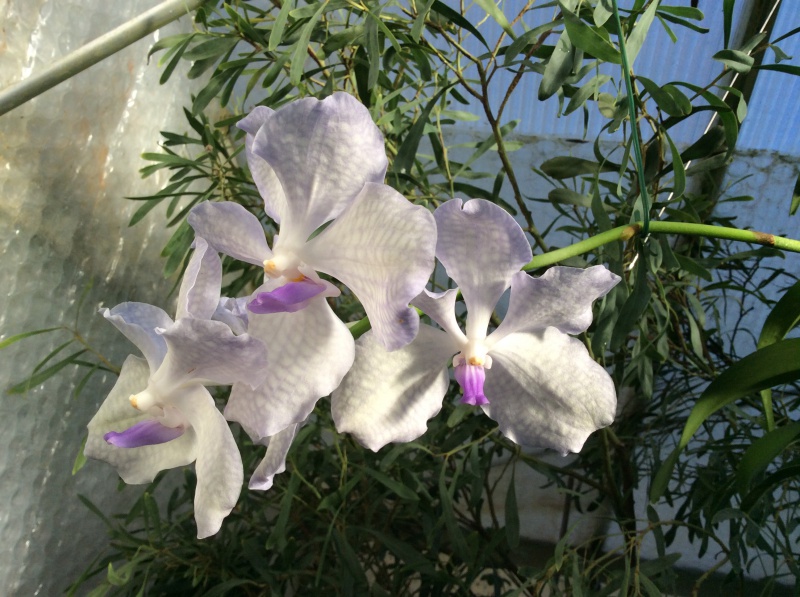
(316, 163)
(529, 375)
(159, 414)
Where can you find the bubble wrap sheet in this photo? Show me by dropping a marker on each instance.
(67, 159)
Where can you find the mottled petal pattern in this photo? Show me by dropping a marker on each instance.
(322, 152)
(218, 464)
(562, 297)
(199, 292)
(139, 322)
(481, 246)
(231, 229)
(389, 396)
(546, 391)
(274, 462)
(382, 248)
(134, 465)
(308, 354)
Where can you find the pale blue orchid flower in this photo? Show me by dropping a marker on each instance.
(315, 163)
(539, 384)
(159, 415)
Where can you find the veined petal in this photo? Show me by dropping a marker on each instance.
(562, 297)
(274, 462)
(441, 307)
(481, 246)
(139, 322)
(382, 248)
(268, 184)
(199, 293)
(389, 396)
(218, 465)
(546, 391)
(322, 152)
(231, 229)
(233, 312)
(308, 354)
(207, 352)
(134, 465)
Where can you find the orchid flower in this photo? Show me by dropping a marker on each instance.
(315, 163)
(539, 384)
(159, 414)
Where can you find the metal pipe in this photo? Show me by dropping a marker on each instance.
(95, 51)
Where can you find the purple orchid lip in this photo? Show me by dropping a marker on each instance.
(289, 298)
(471, 378)
(145, 433)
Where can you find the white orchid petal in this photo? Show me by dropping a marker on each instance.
(134, 465)
(308, 354)
(231, 229)
(545, 390)
(199, 292)
(441, 307)
(207, 352)
(139, 322)
(481, 246)
(389, 396)
(218, 465)
(322, 152)
(382, 248)
(562, 298)
(274, 462)
(268, 184)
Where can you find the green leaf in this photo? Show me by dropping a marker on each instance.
(42, 376)
(499, 17)
(789, 69)
(735, 60)
(568, 196)
(16, 338)
(216, 46)
(585, 92)
(727, 18)
(795, 197)
(419, 22)
(413, 559)
(458, 19)
(408, 149)
(348, 556)
(512, 513)
(665, 100)
(453, 530)
(636, 39)
(767, 367)
(568, 167)
(634, 307)
(602, 11)
(279, 26)
(558, 67)
(783, 318)
(80, 459)
(679, 172)
(589, 39)
(300, 52)
(790, 471)
(762, 452)
(402, 491)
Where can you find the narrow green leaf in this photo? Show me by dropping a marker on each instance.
(16, 338)
(789, 69)
(279, 26)
(727, 20)
(678, 170)
(412, 559)
(570, 197)
(767, 367)
(80, 459)
(795, 197)
(634, 306)
(602, 11)
(735, 60)
(512, 513)
(569, 167)
(348, 556)
(790, 471)
(499, 17)
(663, 99)
(408, 149)
(458, 19)
(374, 50)
(783, 317)
(453, 530)
(42, 376)
(794, 31)
(277, 538)
(216, 46)
(300, 52)
(586, 91)
(558, 67)
(419, 22)
(402, 491)
(762, 452)
(589, 39)
(636, 38)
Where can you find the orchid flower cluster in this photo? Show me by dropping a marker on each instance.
(320, 166)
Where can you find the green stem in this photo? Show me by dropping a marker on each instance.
(631, 230)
